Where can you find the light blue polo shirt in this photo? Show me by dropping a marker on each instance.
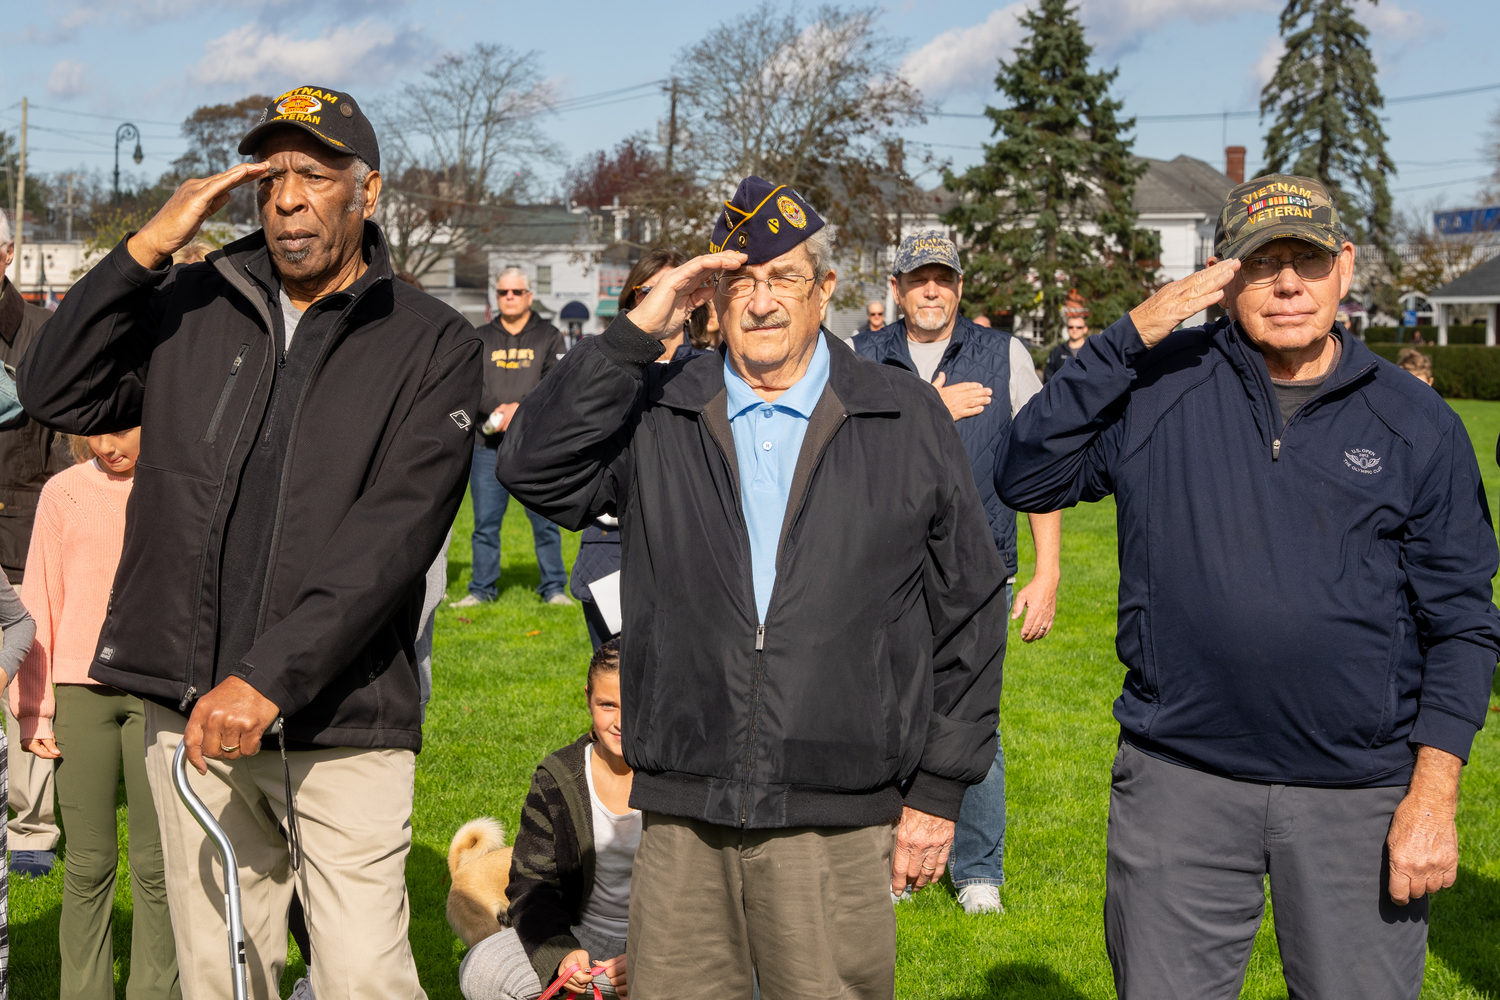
(767, 439)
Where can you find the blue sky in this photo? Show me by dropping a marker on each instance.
(153, 61)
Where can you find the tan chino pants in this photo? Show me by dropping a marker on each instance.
(354, 818)
(32, 794)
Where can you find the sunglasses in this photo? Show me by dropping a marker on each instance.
(1310, 265)
(501, 293)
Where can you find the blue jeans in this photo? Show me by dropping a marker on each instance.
(490, 500)
(978, 856)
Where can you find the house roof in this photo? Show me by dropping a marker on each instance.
(1182, 185)
(541, 225)
(1482, 282)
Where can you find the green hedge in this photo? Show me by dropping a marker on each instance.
(1456, 334)
(1458, 372)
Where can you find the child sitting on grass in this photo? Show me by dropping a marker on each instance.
(570, 873)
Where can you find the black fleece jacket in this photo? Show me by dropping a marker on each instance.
(374, 470)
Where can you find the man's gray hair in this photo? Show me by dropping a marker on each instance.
(361, 174)
(6, 237)
(819, 247)
(513, 269)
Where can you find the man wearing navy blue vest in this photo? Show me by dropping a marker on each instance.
(1305, 615)
(969, 364)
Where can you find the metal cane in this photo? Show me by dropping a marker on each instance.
(237, 967)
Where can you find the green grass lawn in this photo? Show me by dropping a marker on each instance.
(508, 689)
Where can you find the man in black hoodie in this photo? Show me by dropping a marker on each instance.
(520, 348)
(307, 424)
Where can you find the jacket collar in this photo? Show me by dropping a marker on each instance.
(1355, 362)
(12, 308)
(890, 341)
(859, 386)
(248, 258)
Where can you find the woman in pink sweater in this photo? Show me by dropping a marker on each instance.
(90, 729)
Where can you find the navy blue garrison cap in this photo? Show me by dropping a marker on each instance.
(763, 221)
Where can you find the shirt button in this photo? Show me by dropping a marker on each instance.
(766, 445)
(766, 412)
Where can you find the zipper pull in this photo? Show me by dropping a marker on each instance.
(760, 637)
(239, 359)
(183, 704)
(1276, 450)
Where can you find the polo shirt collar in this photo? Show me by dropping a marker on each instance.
(801, 398)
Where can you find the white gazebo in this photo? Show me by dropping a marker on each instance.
(1477, 287)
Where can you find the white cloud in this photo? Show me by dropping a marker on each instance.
(1266, 63)
(67, 79)
(964, 58)
(253, 56)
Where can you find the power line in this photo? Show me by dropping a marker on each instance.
(1438, 184)
(108, 118)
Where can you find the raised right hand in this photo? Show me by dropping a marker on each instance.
(191, 205)
(676, 293)
(1161, 313)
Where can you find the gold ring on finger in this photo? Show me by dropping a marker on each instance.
(229, 749)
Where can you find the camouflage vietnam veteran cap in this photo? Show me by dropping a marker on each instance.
(930, 247)
(763, 221)
(333, 118)
(1273, 207)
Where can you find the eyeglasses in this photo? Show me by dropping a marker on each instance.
(501, 293)
(742, 286)
(876, 312)
(1310, 265)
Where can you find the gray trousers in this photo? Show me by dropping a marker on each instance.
(1184, 896)
(497, 967)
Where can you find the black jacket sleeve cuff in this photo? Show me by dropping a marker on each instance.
(131, 269)
(938, 796)
(625, 345)
(549, 955)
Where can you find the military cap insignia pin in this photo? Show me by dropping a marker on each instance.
(791, 212)
(774, 225)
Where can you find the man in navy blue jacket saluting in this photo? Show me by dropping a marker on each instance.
(1305, 615)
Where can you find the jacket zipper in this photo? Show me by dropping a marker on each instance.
(760, 645)
(234, 369)
(1276, 444)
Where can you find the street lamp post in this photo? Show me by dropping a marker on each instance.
(125, 133)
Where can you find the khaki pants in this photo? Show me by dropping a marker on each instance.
(354, 818)
(807, 910)
(31, 794)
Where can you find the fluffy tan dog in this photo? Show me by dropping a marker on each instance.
(479, 863)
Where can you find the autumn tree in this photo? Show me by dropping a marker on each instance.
(1326, 102)
(1049, 212)
(213, 132)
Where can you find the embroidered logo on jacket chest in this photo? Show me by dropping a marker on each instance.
(1362, 460)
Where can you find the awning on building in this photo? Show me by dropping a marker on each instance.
(575, 310)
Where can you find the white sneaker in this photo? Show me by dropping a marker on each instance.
(980, 898)
(467, 601)
(561, 599)
(302, 990)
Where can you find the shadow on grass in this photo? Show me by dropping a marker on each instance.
(433, 943)
(34, 956)
(1466, 929)
(1024, 981)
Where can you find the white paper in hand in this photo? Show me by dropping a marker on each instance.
(606, 591)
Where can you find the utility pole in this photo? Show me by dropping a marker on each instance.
(21, 198)
(672, 127)
(69, 224)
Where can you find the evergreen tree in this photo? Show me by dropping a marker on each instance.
(1050, 210)
(1327, 126)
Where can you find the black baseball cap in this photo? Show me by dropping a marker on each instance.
(331, 117)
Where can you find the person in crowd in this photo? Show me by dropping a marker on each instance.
(1077, 333)
(703, 328)
(90, 730)
(984, 321)
(313, 507)
(1419, 363)
(570, 872)
(1305, 615)
(17, 630)
(970, 365)
(30, 454)
(520, 348)
(196, 251)
(874, 317)
(768, 535)
(599, 545)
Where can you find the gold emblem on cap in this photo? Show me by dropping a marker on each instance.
(774, 225)
(743, 239)
(791, 212)
(346, 109)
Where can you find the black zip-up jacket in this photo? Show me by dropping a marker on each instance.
(1302, 602)
(375, 470)
(515, 363)
(876, 674)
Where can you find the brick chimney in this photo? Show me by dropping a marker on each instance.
(1234, 163)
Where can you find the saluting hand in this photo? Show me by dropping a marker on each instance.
(191, 205)
(676, 293)
(1161, 313)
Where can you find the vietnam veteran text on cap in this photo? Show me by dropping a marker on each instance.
(334, 119)
(1273, 207)
(930, 247)
(763, 221)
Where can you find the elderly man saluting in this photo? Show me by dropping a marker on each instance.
(812, 641)
(1305, 564)
(306, 434)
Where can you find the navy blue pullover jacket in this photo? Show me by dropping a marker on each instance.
(974, 354)
(1299, 604)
